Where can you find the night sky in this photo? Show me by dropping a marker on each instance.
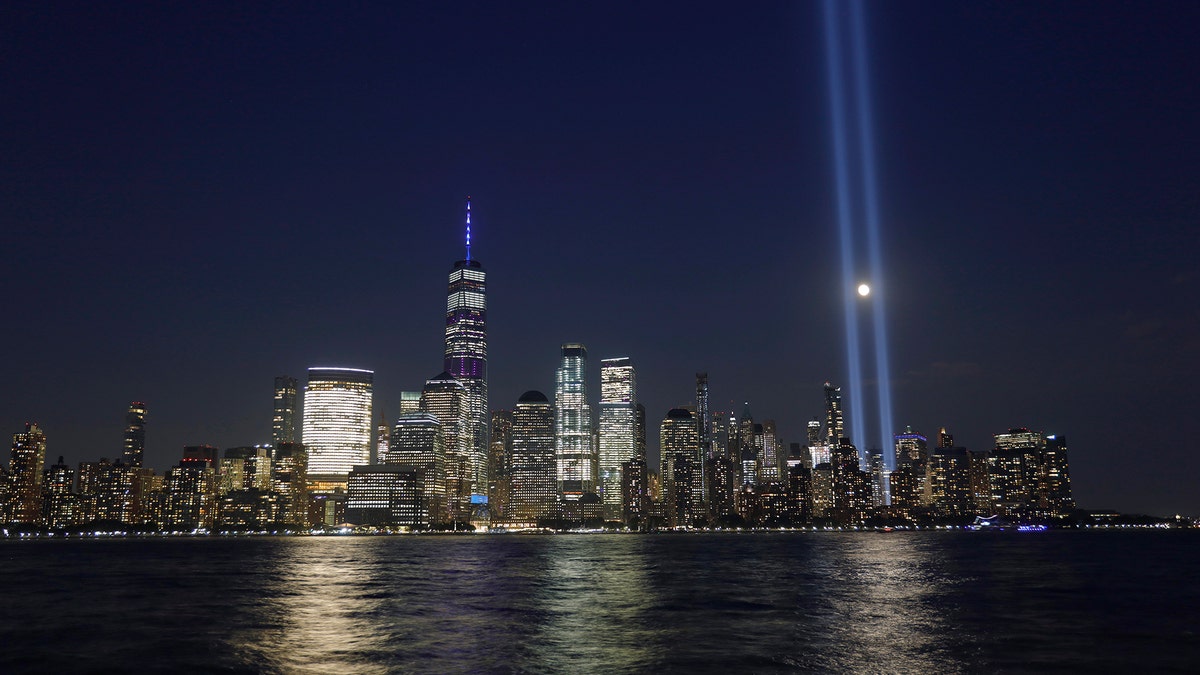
(198, 197)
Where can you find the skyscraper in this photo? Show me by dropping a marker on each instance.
(135, 434)
(499, 454)
(283, 423)
(25, 468)
(289, 477)
(417, 442)
(834, 419)
(680, 444)
(618, 433)
(466, 357)
(573, 424)
(337, 424)
(445, 397)
(534, 479)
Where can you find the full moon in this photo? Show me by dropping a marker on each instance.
(864, 290)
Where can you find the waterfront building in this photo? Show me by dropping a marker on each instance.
(191, 494)
(289, 478)
(1054, 490)
(950, 482)
(534, 479)
(912, 459)
(135, 434)
(445, 397)
(617, 434)
(417, 442)
(388, 495)
(680, 446)
(1013, 468)
(852, 494)
(249, 509)
(336, 427)
(283, 422)
(246, 467)
(822, 490)
(499, 464)
(60, 504)
(722, 489)
(799, 492)
(573, 425)
(26, 464)
(466, 360)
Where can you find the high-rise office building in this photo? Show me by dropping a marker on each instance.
(337, 424)
(417, 441)
(533, 489)
(383, 435)
(135, 434)
(703, 418)
(25, 467)
(245, 468)
(1054, 493)
(466, 358)
(387, 495)
(573, 425)
(60, 507)
(191, 491)
(680, 445)
(410, 401)
(445, 397)
(834, 418)
(772, 459)
(283, 423)
(499, 454)
(289, 477)
(618, 433)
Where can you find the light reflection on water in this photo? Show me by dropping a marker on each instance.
(901, 603)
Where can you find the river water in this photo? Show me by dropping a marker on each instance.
(911, 602)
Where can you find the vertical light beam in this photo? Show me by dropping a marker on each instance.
(874, 243)
(833, 50)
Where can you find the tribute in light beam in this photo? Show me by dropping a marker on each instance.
(845, 231)
(867, 209)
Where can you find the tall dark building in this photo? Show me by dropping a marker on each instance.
(466, 357)
(499, 464)
(135, 434)
(283, 424)
(25, 469)
(533, 488)
(835, 423)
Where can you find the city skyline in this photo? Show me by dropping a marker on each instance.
(199, 209)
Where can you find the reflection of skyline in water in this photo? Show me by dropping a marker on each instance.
(606, 603)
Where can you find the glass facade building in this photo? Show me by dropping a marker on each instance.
(337, 424)
(533, 485)
(577, 461)
(618, 433)
(283, 423)
(466, 360)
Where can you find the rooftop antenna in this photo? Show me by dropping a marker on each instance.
(468, 228)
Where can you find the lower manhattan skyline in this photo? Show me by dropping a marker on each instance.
(202, 198)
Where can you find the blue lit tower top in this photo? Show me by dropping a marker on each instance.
(466, 354)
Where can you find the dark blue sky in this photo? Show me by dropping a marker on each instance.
(198, 197)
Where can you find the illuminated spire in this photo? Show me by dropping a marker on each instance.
(468, 227)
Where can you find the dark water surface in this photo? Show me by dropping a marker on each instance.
(926, 602)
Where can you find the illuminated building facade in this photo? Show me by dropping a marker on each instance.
(337, 424)
(245, 468)
(835, 422)
(770, 470)
(387, 495)
(533, 491)
(60, 504)
(283, 422)
(573, 425)
(25, 467)
(417, 442)
(445, 398)
(250, 509)
(289, 477)
(680, 445)
(135, 434)
(499, 465)
(617, 438)
(191, 495)
(466, 359)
